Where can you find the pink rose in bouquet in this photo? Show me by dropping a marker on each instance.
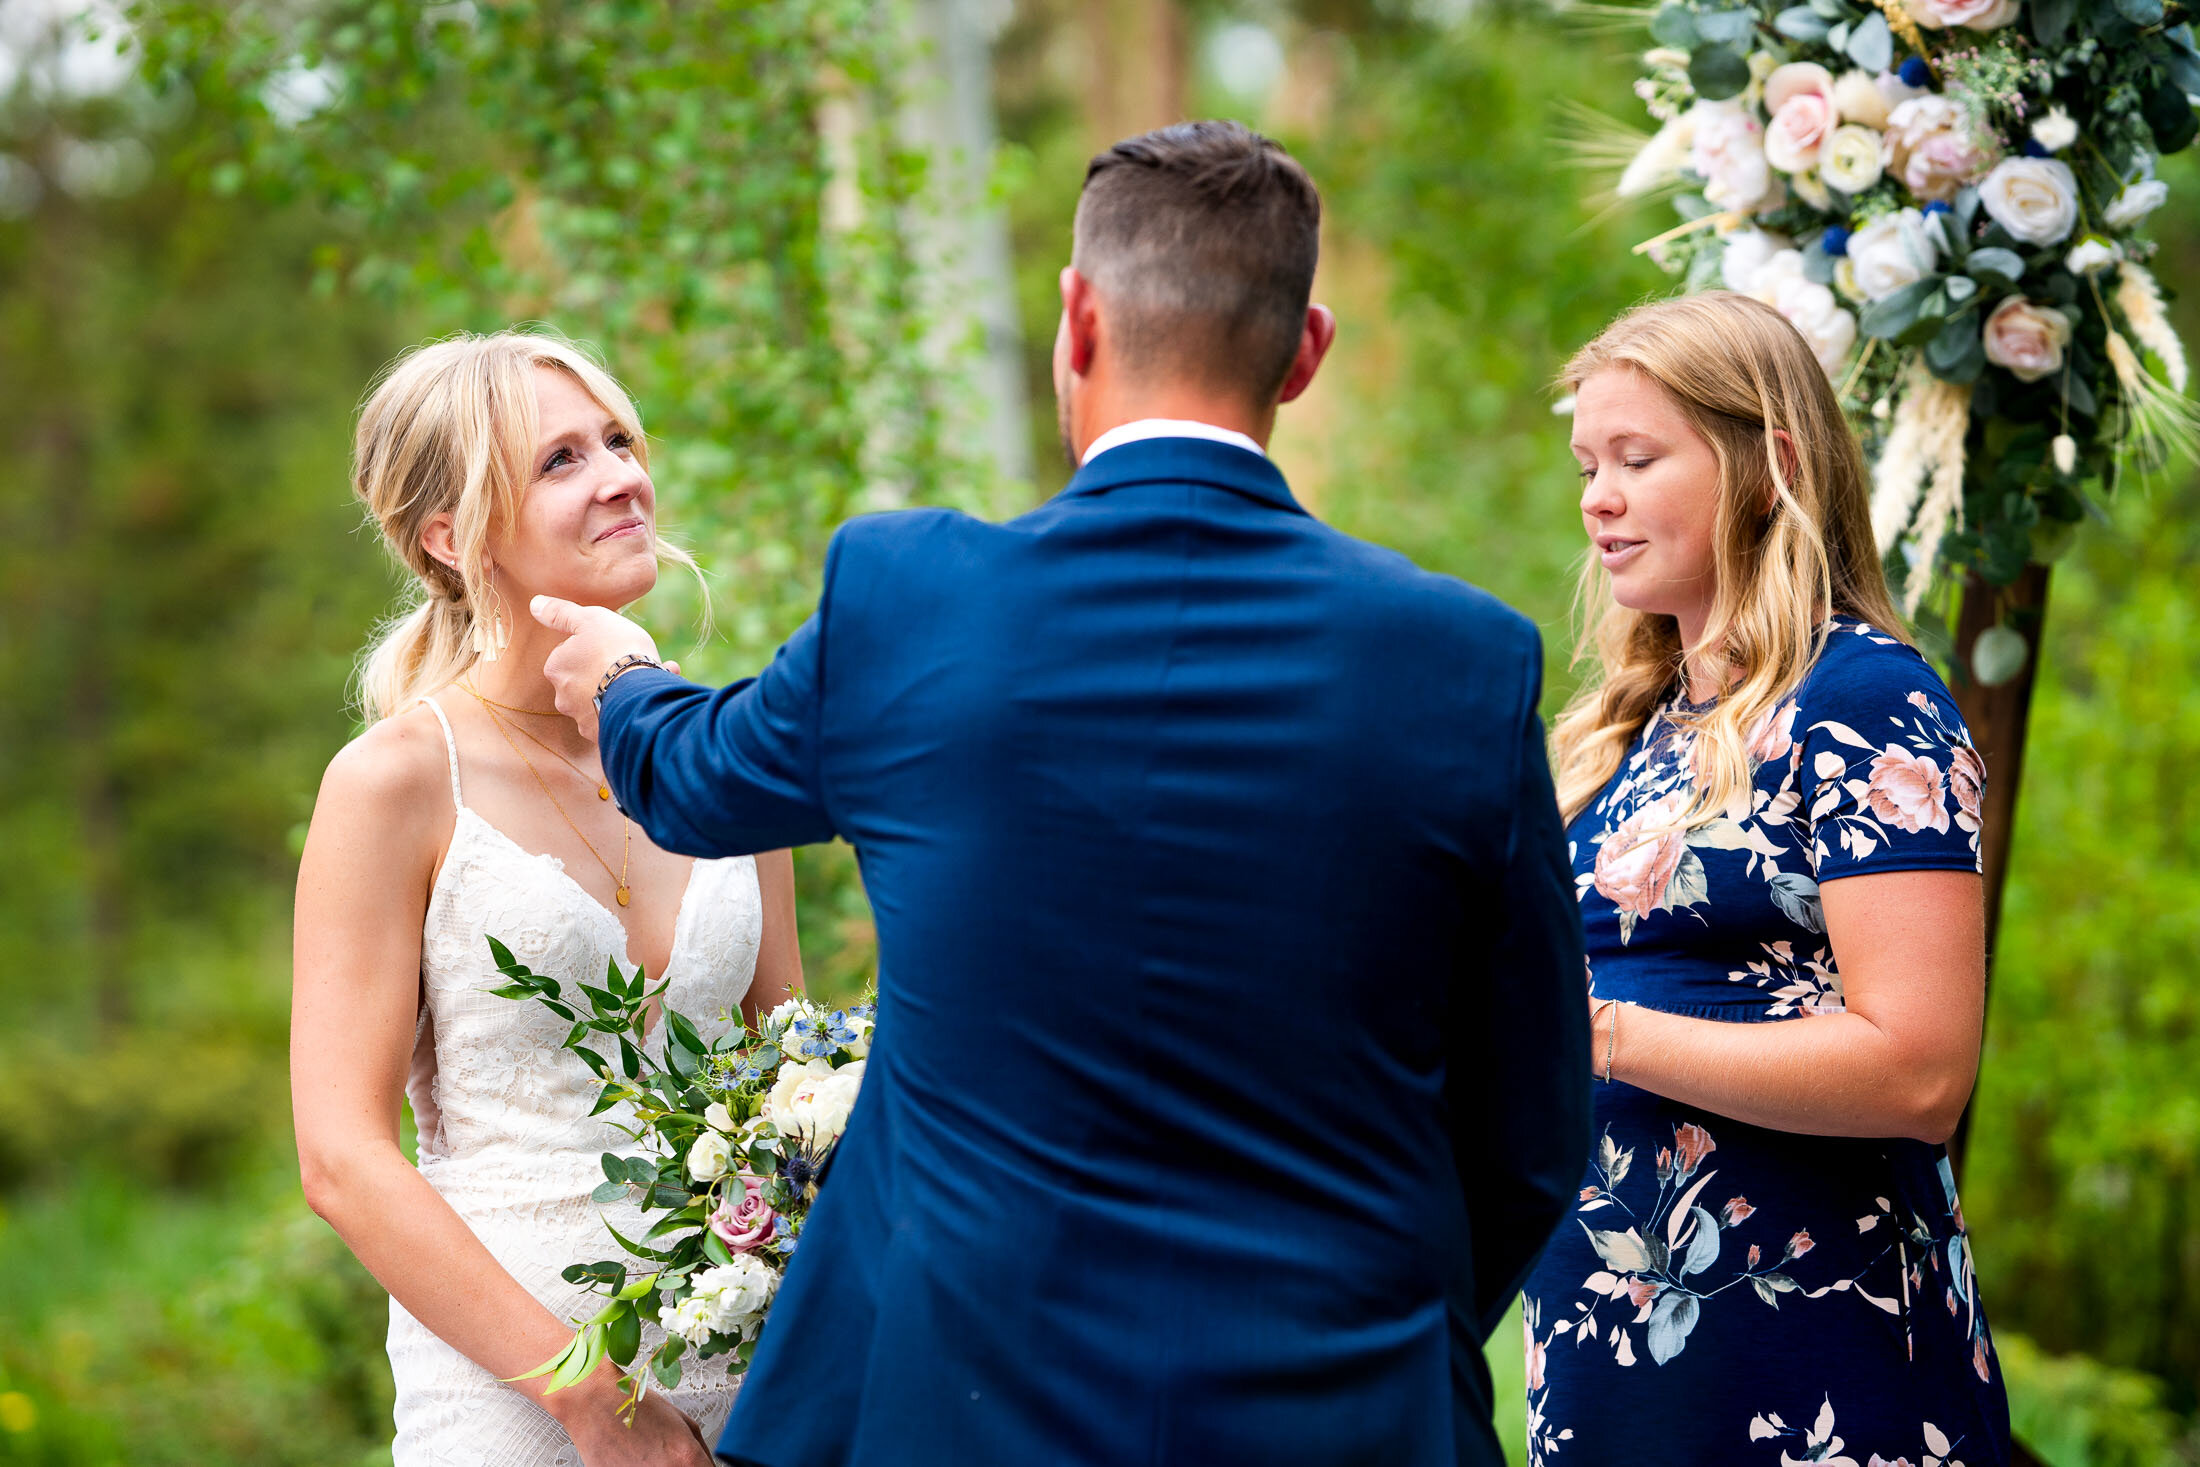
(747, 1221)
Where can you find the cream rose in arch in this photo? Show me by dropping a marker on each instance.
(1930, 148)
(1811, 309)
(2026, 339)
(1892, 251)
(1972, 15)
(1747, 253)
(2135, 203)
(2035, 199)
(1799, 97)
(1849, 161)
(1858, 97)
(1728, 150)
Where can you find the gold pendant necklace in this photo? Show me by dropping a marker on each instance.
(624, 893)
(603, 790)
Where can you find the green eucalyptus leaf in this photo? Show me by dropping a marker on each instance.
(2005, 264)
(1727, 27)
(1718, 72)
(623, 1337)
(1674, 25)
(1801, 23)
(1998, 655)
(2169, 115)
(1958, 353)
(1871, 43)
(1893, 315)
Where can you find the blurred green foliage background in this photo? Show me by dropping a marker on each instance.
(198, 278)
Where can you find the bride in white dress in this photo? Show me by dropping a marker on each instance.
(498, 468)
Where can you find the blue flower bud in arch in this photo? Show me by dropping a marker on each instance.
(1915, 72)
(1937, 207)
(1835, 241)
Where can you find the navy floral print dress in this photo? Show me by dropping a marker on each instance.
(1724, 1293)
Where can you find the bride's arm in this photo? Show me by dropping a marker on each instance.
(779, 956)
(362, 895)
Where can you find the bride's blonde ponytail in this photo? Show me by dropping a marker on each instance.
(449, 429)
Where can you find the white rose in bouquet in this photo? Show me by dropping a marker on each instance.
(709, 1156)
(793, 1076)
(1857, 96)
(1930, 148)
(2135, 203)
(1892, 251)
(718, 1117)
(2026, 339)
(690, 1320)
(1811, 309)
(734, 1295)
(819, 1111)
(1974, 15)
(2035, 199)
(1850, 159)
(1728, 150)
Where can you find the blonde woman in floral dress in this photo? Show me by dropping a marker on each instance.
(1774, 819)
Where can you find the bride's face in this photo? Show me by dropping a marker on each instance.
(1649, 495)
(586, 529)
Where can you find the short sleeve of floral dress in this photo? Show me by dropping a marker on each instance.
(1724, 1293)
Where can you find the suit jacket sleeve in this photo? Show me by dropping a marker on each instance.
(1517, 1079)
(730, 772)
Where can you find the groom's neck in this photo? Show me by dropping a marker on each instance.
(1117, 404)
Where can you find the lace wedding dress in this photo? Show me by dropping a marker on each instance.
(505, 1132)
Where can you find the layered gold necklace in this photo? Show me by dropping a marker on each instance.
(489, 706)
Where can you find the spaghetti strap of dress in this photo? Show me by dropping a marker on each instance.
(450, 747)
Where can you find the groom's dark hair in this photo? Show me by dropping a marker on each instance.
(1201, 240)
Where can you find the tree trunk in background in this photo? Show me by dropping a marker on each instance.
(950, 116)
(1999, 718)
(1136, 60)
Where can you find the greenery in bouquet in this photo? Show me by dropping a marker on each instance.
(733, 1136)
(1945, 198)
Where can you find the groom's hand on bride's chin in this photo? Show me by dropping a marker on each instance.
(595, 637)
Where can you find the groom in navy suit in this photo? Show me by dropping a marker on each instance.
(1232, 1054)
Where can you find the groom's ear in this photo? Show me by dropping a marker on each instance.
(1315, 339)
(1080, 332)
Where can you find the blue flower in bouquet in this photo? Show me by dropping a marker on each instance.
(812, 1036)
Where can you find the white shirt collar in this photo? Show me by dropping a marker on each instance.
(1124, 433)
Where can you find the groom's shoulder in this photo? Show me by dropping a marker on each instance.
(1444, 603)
(880, 539)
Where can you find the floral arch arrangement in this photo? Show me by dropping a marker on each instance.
(1946, 198)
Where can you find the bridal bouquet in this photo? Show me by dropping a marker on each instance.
(1945, 198)
(733, 1138)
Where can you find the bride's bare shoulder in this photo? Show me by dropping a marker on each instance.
(395, 773)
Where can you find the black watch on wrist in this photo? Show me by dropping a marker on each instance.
(620, 669)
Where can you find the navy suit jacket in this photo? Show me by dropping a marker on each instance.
(1232, 1051)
